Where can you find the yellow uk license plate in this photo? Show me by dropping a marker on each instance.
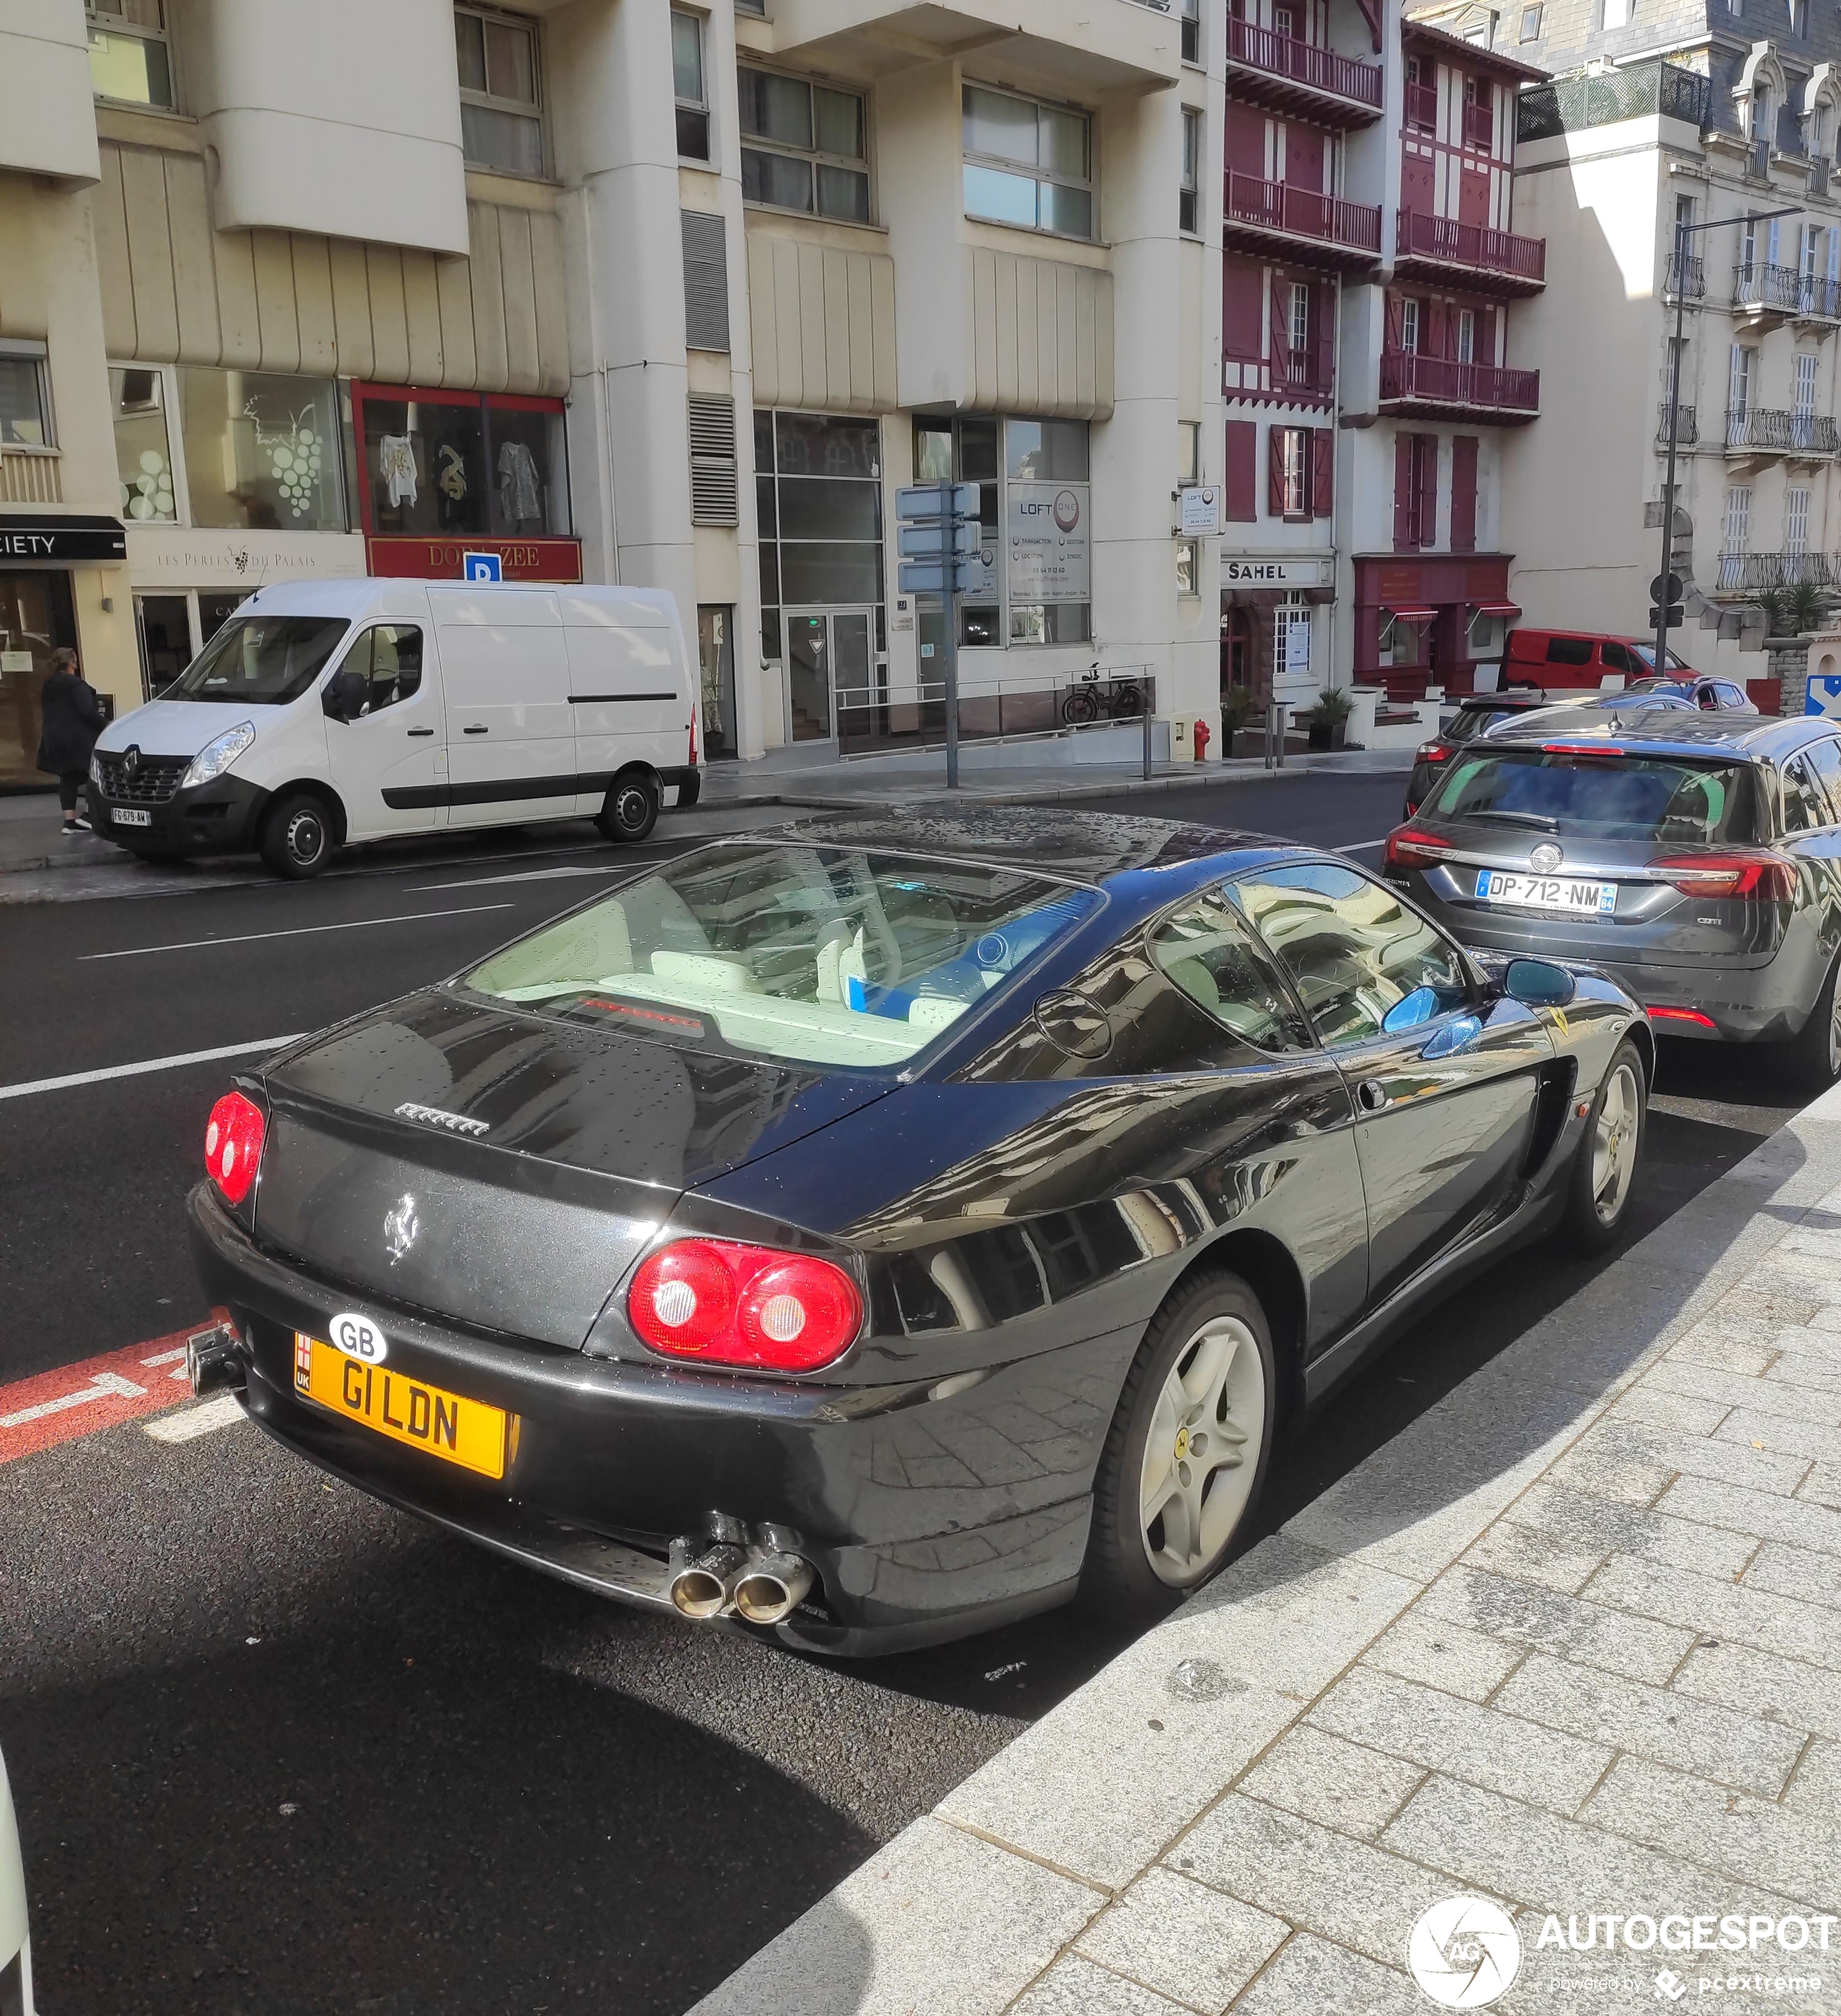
(447, 1425)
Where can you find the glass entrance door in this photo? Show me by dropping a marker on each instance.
(831, 673)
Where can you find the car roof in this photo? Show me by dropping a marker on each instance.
(1747, 736)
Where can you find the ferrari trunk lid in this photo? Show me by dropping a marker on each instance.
(505, 1170)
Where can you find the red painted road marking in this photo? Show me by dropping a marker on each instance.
(76, 1400)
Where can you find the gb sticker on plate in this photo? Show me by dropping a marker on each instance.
(357, 1337)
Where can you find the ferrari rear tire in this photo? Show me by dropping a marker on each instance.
(1812, 1056)
(1610, 1153)
(1185, 1458)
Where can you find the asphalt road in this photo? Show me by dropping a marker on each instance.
(277, 1748)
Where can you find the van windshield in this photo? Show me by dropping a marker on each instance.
(261, 660)
(804, 954)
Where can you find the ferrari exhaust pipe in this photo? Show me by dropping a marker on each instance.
(773, 1586)
(704, 1584)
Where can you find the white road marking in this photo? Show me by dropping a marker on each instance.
(101, 1386)
(188, 1424)
(300, 931)
(1358, 847)
(151, 1064)
(492, 881)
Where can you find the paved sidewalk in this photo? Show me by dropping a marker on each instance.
(1572, 1643)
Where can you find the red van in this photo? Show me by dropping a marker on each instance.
(1562, 661)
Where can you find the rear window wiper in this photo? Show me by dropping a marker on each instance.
(1539, 820)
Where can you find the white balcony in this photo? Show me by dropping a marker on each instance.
(1086, 45)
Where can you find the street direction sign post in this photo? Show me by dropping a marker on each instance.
(940, 534)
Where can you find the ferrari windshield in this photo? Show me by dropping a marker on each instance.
(805, 954)
(261, 660)
(1602, 795)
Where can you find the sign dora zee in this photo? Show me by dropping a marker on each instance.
(411, 556)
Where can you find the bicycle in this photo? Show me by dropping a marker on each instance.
(1118, 699)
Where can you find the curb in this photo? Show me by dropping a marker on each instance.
(968, 1908)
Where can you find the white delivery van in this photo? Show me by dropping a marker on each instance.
(326, 712)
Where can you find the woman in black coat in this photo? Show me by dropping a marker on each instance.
(71, 712)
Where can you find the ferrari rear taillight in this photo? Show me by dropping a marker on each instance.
(233, 1146)
(1762, 877)
(727, 1304)
(1409, 847)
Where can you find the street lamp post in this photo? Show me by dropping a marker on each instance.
(1683, 231)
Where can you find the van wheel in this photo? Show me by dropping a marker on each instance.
(296, 836)
(632, 808)
(1186, 1456)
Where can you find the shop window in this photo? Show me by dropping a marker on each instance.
(805, 146)
(818, 500)
(500, 101)
(37, 616)
(261, 451)
(687, 78)
(130, 56)
(143, 453)
(25, 412)
(1189, 206)
(435, 463)
(1291, 638)
(716, 664)
(1027, 165)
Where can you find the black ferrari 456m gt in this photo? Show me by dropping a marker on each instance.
(879, 1229)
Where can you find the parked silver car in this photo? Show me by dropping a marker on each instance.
(1696, 860)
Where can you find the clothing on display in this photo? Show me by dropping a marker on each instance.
(451, 483)
(396, 466)
(520, 495)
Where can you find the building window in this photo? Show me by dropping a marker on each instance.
(817, 481)
(805, 146)
(1530, 24)
(445, 463)
(1795, 522)
(1298, 324)
(25, 412)
(1188, 566)
(262, 452)
(1735, 532)
(130, 56)
(687, 78)
(1189, 453)
(1799, 17)
(1466, 336)
(1738, 382)
(1189, 216)
(1617, 14)
(1191, 31)
(1293, 471)
(1409, 324)
(1027, 165)
(143, 450)
(1291, 638)
(501, 109)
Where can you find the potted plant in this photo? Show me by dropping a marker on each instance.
(1327, 721)
(1240, 709)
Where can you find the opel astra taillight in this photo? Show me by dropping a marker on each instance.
(233, 1146)
(1762, 877)
(727, 1304)
(1408, 847)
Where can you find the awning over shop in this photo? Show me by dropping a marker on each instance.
(36, 541)
(1410, 615)
(1497, 608)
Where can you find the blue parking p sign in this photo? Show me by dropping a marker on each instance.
(481, 567)
(1824, 695)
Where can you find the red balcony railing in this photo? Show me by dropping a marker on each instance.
(1480, 127)
(1444, 239)
(1421, 106)
(1405, 374)
(1303, 62)
(1277, 207)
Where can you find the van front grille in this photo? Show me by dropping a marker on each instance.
(153, 780)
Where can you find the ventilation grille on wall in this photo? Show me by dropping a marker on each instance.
(706, 280)
(715, 499)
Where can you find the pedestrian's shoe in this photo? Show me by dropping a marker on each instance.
(80, 824)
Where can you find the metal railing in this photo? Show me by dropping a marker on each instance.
(1473, 245)
(1306, 63)
(1757, 161)
(1758, 285)
(1773, 430)
(1687, 426)
(911, 714)
(1635, 90)
(1480, 127)
(1408, 374)
(1686, 279)
(1818, 175)
(1739, 571)
(1277, 206)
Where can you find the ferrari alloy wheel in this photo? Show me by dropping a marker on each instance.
(1202, 1454)
(1186, 1453)
(1814, 1054)
(1605, 1166)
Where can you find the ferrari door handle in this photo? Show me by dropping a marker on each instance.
(1285, 1130)
(1372, 1094)
(474, 731)
(422, 731)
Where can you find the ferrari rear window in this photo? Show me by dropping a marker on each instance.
(808, 955)
(1599, 795)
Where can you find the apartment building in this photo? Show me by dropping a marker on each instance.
(1704, 114)
(619, 290)
(1369, 280)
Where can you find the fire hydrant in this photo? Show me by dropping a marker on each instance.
(1202, 740)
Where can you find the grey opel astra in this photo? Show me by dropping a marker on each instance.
(1697, 860)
